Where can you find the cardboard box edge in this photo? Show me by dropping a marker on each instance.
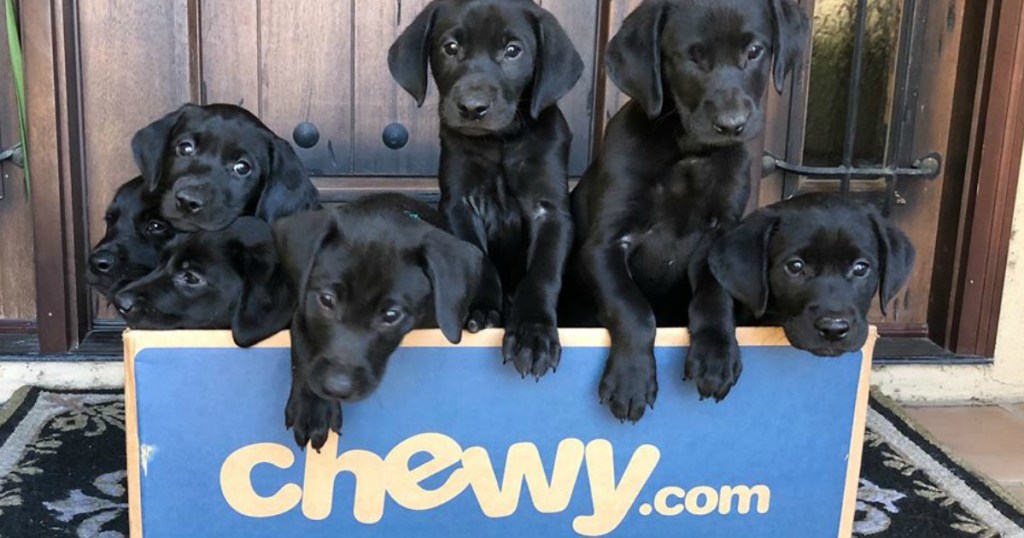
(131, 430)
(860, 415)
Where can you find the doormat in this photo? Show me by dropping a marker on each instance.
(62, 473)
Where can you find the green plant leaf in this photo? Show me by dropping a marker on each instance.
(18, 74)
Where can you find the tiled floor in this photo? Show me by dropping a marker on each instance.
(988, 438)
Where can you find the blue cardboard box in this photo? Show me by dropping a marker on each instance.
(455, 444)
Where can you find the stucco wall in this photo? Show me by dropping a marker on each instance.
(1003, 380)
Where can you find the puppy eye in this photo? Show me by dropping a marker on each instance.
(696, 53)
(108, 219)
(513, 51)
(326, 300)
(242, 168)
(156, 227)
(755, 52)
(860, 269)
(451, 48)
(795, 267)
(391, 317)
(190, 278)
(186, 148)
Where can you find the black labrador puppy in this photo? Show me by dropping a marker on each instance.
(209, 165)
(812, 264)
(367, 274)
(135, 236)
(220, 279)
(672, 175)
(500, 68)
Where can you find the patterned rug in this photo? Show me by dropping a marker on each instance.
(62, 473)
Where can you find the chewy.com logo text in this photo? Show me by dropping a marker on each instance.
(392, 476)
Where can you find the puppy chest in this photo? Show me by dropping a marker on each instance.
(660, 257)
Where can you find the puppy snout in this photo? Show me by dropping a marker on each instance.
(124, 302)
(731, 123)
(102, 262)
(189, 201)
(344, 382)
(474, 107)
(832, 329)
(339, 385)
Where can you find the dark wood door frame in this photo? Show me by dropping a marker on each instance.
(990, 188)
(50, 37)
(53, 90)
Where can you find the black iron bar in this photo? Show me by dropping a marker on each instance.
(926, 168)
(853, 96)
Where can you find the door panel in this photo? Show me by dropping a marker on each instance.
(230, 48)
(379, 100)
(134, 68)
(326, 63)
(579, 18)
(17, 274)
(305, 75)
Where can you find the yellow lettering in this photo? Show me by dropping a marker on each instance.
(745, 495)
(661, 501)
(323, 468)
(611, 502)
(693, 504)
(523, 463)
(236, 481)
(404, 483)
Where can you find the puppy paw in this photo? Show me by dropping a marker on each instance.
(629, 384)
(533, 348)
(714, 365)
(311, 418)
(482, 317)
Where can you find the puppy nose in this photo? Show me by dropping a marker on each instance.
(731, 124)
(188, 201)
(102, 262)
(474, 108)
(124, 302)
(339, 385)
(832, 328)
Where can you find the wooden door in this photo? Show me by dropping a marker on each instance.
(326, 63)
(915, 94)
(317, 61)
(17, 275)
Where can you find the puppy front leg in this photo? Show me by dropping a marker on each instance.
(713, 361)
(309, 416)
(485, 310)
(629, 383)
(531, 332)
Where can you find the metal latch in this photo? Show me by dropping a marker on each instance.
(16, 156)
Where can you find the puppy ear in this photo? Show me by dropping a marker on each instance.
(896, 256)
(298, 239)
(791, 28)
(286, 187)
(634, 56)
(739, 260)
(558, 64)
(149, 146)
(453, 267)
(409, 55)
(267, 301)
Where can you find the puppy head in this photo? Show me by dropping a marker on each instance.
(711, 59)
(134, 238)
(203, 279)
(490, 58)
(209, 165)
(370, 279)
(813, 264)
